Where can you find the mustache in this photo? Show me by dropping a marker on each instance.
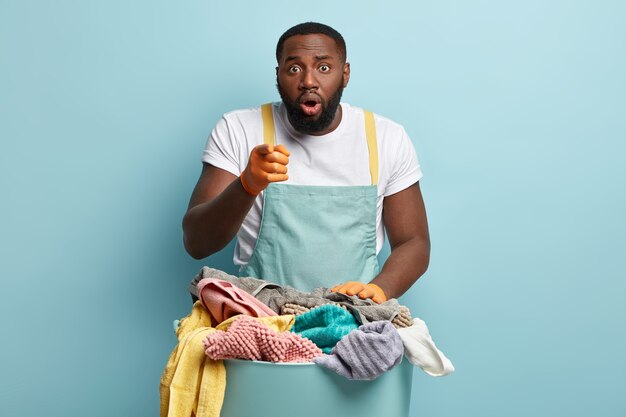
(308, 96)
(297, 119)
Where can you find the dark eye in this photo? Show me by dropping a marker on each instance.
(324, 68)
(293, 69)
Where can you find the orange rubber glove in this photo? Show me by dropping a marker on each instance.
(370, 290)
(266, 164)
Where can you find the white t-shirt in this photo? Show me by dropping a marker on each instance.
(338, 158)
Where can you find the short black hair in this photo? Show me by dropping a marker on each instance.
(310, 28)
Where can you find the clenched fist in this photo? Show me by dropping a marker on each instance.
(267, 164)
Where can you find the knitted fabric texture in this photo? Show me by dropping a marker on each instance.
(223, 300)
(325, 325)
(279, 324)
(296, 309)
(403, 319)
(275, 296)
(366, 353)
(247, 338)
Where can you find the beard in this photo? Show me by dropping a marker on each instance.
(304, 124)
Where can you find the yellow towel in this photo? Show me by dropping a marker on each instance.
(199, 317)
(191, 382)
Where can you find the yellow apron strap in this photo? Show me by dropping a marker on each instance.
(372, 146)
(370, 133)
(268, 124)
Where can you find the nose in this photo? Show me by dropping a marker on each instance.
(308, 80)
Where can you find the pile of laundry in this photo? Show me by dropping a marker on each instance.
(253, 319)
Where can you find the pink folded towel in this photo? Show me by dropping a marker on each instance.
(247, 338)
(224, 300)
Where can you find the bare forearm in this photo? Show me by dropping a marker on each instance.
(406, 263)
(211, 225)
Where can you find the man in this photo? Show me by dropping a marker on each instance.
(310, 185)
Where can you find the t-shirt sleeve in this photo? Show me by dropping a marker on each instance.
(221, 149)
(405, 168)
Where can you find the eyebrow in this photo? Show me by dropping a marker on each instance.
(317, 57)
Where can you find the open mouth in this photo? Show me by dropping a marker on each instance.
(310, 105)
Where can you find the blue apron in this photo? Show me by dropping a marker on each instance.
(317, 236)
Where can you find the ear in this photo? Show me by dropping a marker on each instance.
(346, 74)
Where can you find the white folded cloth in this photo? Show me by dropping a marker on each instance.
(421, 351)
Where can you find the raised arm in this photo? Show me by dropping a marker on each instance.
(216, 210)
(220, 202)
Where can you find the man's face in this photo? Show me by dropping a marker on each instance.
(311, 76)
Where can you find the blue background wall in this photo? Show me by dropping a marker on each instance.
(517, 110)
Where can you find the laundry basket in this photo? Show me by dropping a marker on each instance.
(263, 389)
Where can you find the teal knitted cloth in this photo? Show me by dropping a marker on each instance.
(325, 325)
